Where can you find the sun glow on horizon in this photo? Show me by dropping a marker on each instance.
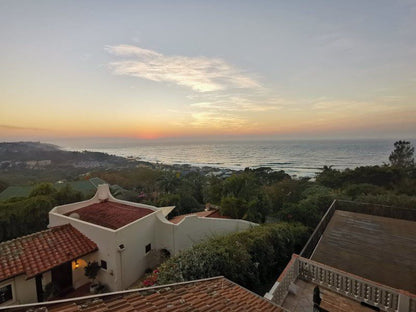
(286, 73)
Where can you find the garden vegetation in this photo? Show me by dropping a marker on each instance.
(288, 209)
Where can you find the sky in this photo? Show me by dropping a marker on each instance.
(207, 69)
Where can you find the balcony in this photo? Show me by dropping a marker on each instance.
(360, 254)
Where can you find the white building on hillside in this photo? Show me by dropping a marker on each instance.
(125, 238)
(130, 235)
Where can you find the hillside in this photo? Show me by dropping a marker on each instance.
(28, 162)
(25, 154)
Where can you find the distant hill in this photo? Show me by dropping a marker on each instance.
(26, 163)
(86, 187)
(36, 155)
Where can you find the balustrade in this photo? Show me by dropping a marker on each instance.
(346, 284)
(349, 285)
(412, 304)
(289, 276)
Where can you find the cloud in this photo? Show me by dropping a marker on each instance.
(238, 104)
(217, 120)
(327, 107)
(11, 127)
(337, 42)
(201, 74)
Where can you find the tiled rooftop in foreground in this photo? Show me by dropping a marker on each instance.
(377, 248)
(111, 215)
(212, 294)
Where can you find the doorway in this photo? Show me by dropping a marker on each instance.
(62, 277)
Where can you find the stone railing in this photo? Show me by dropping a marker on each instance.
(346, 284)
(280, 289)
(412, 304)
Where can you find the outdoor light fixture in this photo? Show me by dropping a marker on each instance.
(76, 264)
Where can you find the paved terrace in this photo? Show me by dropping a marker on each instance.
(377, 248)
(302, 300)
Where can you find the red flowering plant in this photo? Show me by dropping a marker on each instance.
(151, 279)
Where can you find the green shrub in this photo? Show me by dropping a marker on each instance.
(356, 190)
(249, 258)
(389, 199)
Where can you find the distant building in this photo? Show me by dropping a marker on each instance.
(38, 164)
(125, 238)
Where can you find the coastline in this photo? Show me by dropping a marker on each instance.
(296, 158)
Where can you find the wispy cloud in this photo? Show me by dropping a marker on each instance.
(217, 120)
(201, 74)
(238, 104)
(337, 41)
(327, 106)
(11, 127)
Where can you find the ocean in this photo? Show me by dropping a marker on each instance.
(297, 158)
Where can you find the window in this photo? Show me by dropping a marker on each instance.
(148, 247)
(103, 265)
(6, 293)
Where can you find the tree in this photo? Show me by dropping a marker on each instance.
(66, 194)
(91, 270)
(46, 189)
(169, 181)
(251, 258)
(3, 185)
(233, 207)
(212, 190)
(402, 156)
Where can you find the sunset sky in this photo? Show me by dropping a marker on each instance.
(206, 69)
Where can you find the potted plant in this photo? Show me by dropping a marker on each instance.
(91, 271)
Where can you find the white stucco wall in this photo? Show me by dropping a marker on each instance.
(134, 260)
(46, 279)
(125, 266)
(106, 242)
(193, 229)
(24, 291)
(78, 273)
(165, 234)
(103, 193)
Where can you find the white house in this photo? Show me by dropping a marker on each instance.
(29, 263)
(126, 239)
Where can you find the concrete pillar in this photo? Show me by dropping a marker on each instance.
(404, 303)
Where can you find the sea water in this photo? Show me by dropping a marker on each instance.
(297, 158)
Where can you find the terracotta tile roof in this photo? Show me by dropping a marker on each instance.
(110, 214)
(214, 294)
(42, 251)
(204, 214)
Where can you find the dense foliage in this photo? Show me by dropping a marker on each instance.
(402, 156)
(289, 208)
(22, 216)
(258, 195)
(250, 258)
